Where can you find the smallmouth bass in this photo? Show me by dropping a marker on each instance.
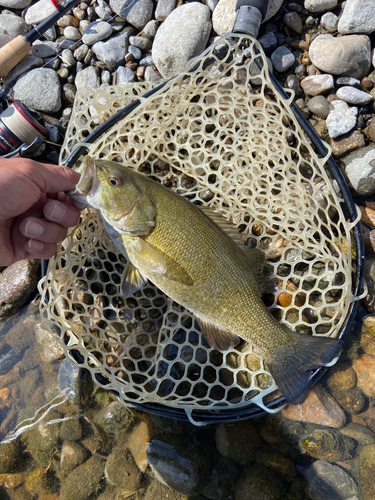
(190, 253)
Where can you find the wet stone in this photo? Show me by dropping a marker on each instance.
(70, 381)
(367, 473)
(18, 284)
(260, 483)
(114, 418)
(318, 408)
(341, 377)
(158, 491)
(319, 106)
(359, 169)
(179, 464)
(283, 465)
(239, 441)
(10, 457)
(362, 434)
(341, 119)
(137, 443)
(317, 84)
(352, 401)
(83, 481)
(344, 145)
(364, 367)
(328, 445)
(121, 471)
(328, 481)
(49, 343)
(71, 430)
(368, 335)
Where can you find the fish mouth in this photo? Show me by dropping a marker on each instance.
(85, 183)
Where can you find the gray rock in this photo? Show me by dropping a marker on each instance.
(84, 481)
(319, 5)
(10, 27)
(319, 106)
(147, 61)
(358, 17)
(125, 75)
(15, 4)
(354, 96)
(317, 84)
(282, 59)
(347, 55)
(70, 381)
(104, 12)
(97, 31)
(137, 53)
(182, 36)
(329, 21)
(268, 42)
(149, 31)
(122, 472)
(138, 13)
(8, 360)
(44, 49)
(81, 52)
(67, 57)
(163, 9)
(293, 20)
(360, 433)
(106, 77)
(28, 63)
(238, 442)
(292, 82)
(112, 52)
(140, 42)
(260, 483)
(52, 63)
(330, 481)
(151, 75)
(72, 33)
(18, 284)
(211, 4)
(341, 119)
(359, 168)
(39, 11)
(225, 13)
(88, 78)
(178, 464)
(328, 445)
(347, 80)
(67, 44)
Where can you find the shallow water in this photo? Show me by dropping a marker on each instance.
(90, 436)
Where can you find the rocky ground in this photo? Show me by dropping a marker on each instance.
(323, 448)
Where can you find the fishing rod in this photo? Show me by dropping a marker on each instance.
(14, 51)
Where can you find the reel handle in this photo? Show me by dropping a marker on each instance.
(12, 53)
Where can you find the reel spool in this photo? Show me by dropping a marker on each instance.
(224, 135)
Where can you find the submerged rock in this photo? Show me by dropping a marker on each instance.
(72, 455)
(260, 483)
(367, 473)
(10, 457)
(121, 471)
(328, 481)
(18, 284)
(181, 465)
(114, 418)
(239, 441)
(83, 481)
(328, 445)
(364, 367)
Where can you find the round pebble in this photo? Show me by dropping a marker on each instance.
(319, 106)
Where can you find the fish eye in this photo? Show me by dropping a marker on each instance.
(114, 181)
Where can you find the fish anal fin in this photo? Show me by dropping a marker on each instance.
(218, 338)
(294, 365)
(132, 280)
(224, 224)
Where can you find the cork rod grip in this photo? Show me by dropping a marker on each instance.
(12, 53)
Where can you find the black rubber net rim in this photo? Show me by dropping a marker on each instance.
(201, 416)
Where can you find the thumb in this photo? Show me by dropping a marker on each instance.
(52, 178)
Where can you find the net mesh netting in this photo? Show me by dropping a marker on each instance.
(221, 136)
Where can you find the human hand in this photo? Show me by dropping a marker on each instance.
(34, 211)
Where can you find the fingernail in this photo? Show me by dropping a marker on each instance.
(58, 212)
(33, 228)
(35, 245)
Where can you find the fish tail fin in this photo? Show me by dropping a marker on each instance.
(293, 368)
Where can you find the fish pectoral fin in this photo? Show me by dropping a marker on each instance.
(218, 338)
(132, 280)
(150, 259)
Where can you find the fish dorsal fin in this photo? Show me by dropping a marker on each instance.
(224, 224)
(218, 338)
(256, 261)
(132, 280)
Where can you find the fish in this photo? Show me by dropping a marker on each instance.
(193, 255)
